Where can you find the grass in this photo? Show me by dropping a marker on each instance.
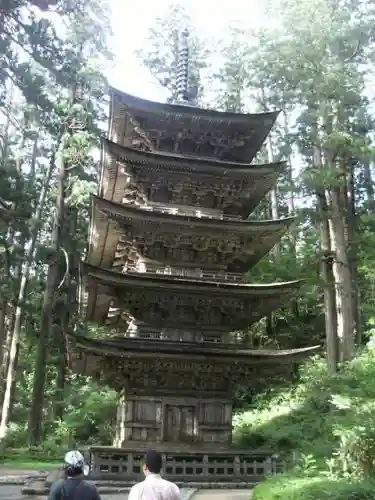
(294, 487)
(327, 419)
(31, 459)
(28, 463)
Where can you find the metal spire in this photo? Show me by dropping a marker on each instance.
(184, 94)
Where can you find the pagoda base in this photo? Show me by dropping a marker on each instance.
(183, 464)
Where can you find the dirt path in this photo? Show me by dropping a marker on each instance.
(13, 492)
(10, 492)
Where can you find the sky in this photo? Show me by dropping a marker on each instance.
(130, 21)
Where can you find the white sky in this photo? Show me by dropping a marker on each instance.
(130, 21)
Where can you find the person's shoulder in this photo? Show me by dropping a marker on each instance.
(173, 491)
(134, 491)
(58, 483)
(137, 486)
(172, 486)
(89, 484)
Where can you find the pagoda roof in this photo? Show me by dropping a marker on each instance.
(180, 163)
(189, 285)
(234, 188)
(204, 132)
(238, 244)
(226, 352)
(114, 362)
(158, 300)
(128, 211)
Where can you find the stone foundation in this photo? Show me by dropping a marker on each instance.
(184, 465)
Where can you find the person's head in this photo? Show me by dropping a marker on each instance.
(152, 463)
(74, 464)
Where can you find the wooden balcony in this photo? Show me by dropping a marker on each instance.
(199, 274)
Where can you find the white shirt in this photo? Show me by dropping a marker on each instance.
(155, 487)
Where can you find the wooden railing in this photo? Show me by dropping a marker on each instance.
(182, 336)
(190, 212)
(200, 274)
(184, 466)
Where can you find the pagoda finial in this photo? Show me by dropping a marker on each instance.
(184, 93)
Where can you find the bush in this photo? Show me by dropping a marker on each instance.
(322, 415)
(328, 420)
(294, 487)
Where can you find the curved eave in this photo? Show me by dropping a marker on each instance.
(174, 162)
(139, 280)
(119, 212)
(257, 180)
(244, 132)
(109, 220)
(136, 347)
(145, 105)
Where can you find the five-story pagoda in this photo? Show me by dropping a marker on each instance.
(170, 241)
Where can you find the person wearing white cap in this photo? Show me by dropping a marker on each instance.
(74, 486)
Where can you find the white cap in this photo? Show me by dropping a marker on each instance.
(74, 459)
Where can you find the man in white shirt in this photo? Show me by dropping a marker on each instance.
(154, 487)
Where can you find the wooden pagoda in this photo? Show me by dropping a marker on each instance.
(170, 243)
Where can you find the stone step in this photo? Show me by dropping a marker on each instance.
(240, 494)
(188, 484)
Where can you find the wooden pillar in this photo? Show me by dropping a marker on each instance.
(120, 436)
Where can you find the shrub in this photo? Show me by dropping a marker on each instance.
(328, 420)
(299, 487)
(322, 415)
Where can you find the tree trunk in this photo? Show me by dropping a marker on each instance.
(7, 314)
(291, 206)
(17, 277)
(37, 403)
(369, 186)
(353, 251)
(15, 337)
(59, 401)
(328, 286)
(343, 280)
(273, 198)
(4, 275)
(273, 194)
(65, 314)
(276, 251)
(330, 305)
(5, 258)
(290, 200)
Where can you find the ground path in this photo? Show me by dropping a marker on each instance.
(13, 492)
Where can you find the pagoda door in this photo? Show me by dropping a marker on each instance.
(180, 423)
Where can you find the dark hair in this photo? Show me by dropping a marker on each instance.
(71, 471)
(153, 461)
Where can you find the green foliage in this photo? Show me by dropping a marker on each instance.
(51, 88)
(319, 415)
(294, 487)
(89, 418)
(328, 422)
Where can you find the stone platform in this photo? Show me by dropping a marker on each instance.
(185, 465)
